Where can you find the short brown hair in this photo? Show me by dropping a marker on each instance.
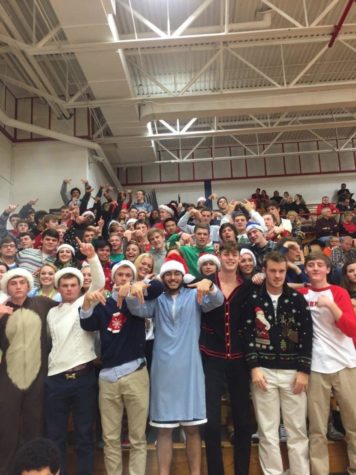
(318, 256)
(153, 231)
(229, 246)
(274, 256)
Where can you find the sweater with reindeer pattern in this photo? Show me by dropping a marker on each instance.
(278, 335)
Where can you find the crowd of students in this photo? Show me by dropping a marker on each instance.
(158, 312)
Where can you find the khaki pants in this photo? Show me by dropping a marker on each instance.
(343, 384)
(130, 392)
(268, 406)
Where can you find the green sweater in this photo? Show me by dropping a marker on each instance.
(191, 255)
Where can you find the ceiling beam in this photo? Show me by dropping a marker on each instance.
(244, 39)
(252, 102)
(294, 127)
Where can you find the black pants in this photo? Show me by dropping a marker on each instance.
(236, 376)
(78, 396)
(21, 417)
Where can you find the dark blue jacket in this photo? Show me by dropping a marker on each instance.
(129, 343)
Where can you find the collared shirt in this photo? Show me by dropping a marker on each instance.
(111, 375)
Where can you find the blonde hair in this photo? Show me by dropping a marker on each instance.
(140, 258)
(297, 220)
(48, 264)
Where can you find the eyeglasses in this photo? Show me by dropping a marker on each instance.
(8, 245)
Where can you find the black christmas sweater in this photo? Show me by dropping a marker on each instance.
(281, 338)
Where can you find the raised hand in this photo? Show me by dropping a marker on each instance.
(11, 208)
(203, 288)
(86, 248)
(248, 205)
(93, 298)
(33, 202)
(138, 291)
(67, 180)
(122, 292)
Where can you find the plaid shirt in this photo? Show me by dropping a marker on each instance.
(339, 256)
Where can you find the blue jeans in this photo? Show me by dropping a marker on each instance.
(77, 396)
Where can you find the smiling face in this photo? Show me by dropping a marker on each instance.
(246, 264)
(87, 277)
(104, 254)
(144, 268)
(47, 276)
(64, 256)
(115, 242)
(173, 281)
(164, 214)
(132, 251)
(256, 237)
(317, 271)
(229, 260)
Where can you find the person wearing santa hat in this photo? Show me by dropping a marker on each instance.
(123, 380)
(177, 378)
(165, 212)
(71, 383)
(23, 368)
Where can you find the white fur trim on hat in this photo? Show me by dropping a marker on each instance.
(66, 246)
(170, 266)
(124, 263)
(201, 198)
(166, 208)
(68, 270)
(252, 225)
(88, 213)
(188, 279)
(18, 272)
(208, 258)
(113, 221)
(247, 251)
(131, 221)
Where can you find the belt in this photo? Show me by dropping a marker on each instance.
(78, 371)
